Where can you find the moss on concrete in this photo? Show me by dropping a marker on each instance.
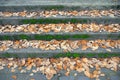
(44, 37)
(88, 55)
(53, 20)
(68, 54)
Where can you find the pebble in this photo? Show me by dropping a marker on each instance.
(13, 70)
(97, 79)
(14, 77)
(85, 60)
(112, 15)
(10, 59)
(32, 79)
(108, 50)
(1, 67)
(102, 74)
(119, 65)
(75, 74)
(23, 71)
(31, 74)
(87, 73)
(10, 64)
(34, 71)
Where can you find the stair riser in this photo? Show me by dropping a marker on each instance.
(57, 7)
(16, 21)
(59, 36)
(57, 55)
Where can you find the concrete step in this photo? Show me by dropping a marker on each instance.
(27, 47)
(65, 5)
(51, 52)
(15, 5)
(30, 52)
(25, 72)
(58, 7)
(65, 31)
(111, 75)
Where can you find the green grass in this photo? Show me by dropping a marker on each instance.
(88, 55)
(46, 7)
(68, 54)
(116, 6)
(37, 55)
(8, 55)
(44, 37)
(6, 37)
(50, 37)
(119, 37)
(84, 36)
(59, 37)
(109, 36)
(53, 20)
(59, 7)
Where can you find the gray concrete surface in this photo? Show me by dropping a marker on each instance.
(32, 5)
(16, 20)
(57, 2)
(7, 75)
(19, 5)
(92, 35)
(42, 53)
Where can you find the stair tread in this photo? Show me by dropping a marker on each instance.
(61, 28)
(37, 68)
(26, 51)
(60, 46)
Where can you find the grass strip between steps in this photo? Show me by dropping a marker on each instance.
(53, 20)
(70, 55)
(50, 37)
(88, 55)
(43, 37)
